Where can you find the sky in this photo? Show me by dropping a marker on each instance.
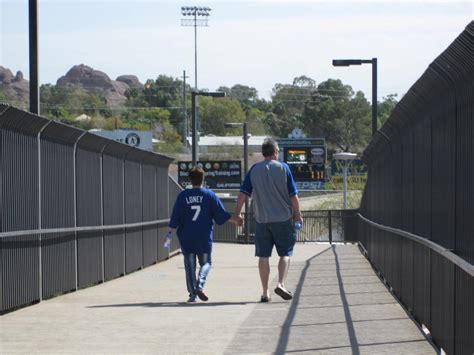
(256, 43)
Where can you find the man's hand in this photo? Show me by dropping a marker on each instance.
(237, 220)
(297, 217)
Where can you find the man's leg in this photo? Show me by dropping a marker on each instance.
(264, 270)
(283, 267)
(285, 239)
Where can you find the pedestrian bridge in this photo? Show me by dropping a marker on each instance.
(79, 210)
(340, 305)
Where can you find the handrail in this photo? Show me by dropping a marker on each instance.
(448, 254)
(82, 229)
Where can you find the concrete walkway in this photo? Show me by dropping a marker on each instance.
(340, 306)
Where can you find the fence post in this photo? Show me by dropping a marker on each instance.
(74, 176)
(330, 226)
(102, 208)
(123, 219)
(40, 262)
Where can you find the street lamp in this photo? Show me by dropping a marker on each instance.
(373, 61)
(194, 94)
(194, 12)
(246, 167)
(345, 158)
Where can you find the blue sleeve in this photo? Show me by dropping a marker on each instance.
(219, 214)
(176, 215)
(290, 182)
(246, 187)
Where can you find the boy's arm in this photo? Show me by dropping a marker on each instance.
(175, 215)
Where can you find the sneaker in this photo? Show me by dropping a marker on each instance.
(283, 293)
(202, 296)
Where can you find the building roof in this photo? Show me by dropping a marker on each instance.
(212, 140)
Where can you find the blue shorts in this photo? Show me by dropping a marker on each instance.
(282, 235)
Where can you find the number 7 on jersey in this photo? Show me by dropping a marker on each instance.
(197, 209)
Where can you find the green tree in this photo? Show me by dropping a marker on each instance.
(213, 113)
(64, 104)
(385, 108)
(167, 92)
(3, 97)
(170, 140)
(288, 105)
(256, 121)
(136, 98)
(339, 116)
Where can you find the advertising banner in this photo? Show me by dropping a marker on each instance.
(219, 174)
(137, 139)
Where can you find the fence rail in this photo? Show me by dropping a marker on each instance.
(318, 226)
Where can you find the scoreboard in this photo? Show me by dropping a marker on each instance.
(306, 158)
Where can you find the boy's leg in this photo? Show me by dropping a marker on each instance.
(190, 269)
(205, 263)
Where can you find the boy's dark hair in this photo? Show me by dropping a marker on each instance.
(196, 176)
(269, 147)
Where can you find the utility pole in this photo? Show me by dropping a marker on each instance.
(185, 114)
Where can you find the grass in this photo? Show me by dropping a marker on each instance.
(332, 201)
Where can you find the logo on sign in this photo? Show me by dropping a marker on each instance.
(317, 151)
(132, 139)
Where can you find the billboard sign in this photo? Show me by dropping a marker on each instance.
(218, 174)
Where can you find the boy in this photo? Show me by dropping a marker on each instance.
(193, 215)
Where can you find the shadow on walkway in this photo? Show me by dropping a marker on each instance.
(333, 310)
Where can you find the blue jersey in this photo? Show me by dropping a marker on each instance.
(193, 214)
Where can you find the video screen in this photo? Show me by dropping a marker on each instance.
(296, 156)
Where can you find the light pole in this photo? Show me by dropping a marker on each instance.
(194, 12)
(194, 94)
(33, 53)
(373, 61)
(246, 168)
(345, 158)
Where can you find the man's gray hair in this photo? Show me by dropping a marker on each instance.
(269, 147)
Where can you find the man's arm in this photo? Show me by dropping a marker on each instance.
(240, 202)
(295, 204)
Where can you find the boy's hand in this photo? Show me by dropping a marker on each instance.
(237, 220)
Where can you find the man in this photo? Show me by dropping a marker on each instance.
(276, 206)
(193, 214)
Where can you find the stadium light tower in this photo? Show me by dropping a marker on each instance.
(194, 12)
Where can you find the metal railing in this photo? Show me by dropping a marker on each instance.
(417, 205)
(318, 226)
(434, 284)
(76, 209)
